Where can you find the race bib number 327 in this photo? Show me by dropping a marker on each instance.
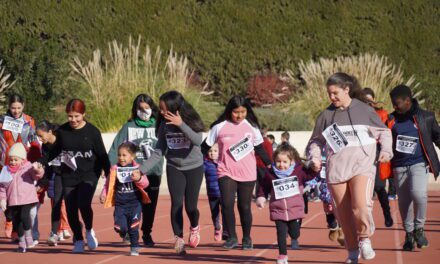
(406, 144)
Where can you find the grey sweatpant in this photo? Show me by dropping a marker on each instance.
(412, 189)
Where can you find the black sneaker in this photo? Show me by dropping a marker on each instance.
(420, 238)
(231, 243)
(409, 242)
(246, 244)
(148, 241)
(388, 220)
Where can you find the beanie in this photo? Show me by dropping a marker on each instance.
(18, 150)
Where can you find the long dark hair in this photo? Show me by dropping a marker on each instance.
(143, 98)
(47, 126)
(344, 80)
(14, 98)
(234, 102)
(175, 102)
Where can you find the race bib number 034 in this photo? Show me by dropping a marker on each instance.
(335, 138)
(13, 125)
(124, 174)
(286, 187)
(241, 149)
(406, 144)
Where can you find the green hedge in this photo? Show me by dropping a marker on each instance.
(226, 41)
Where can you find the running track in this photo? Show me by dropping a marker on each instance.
(315, 246)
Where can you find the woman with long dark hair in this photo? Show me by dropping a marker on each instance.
(238, 136)
(83, 158)
(141, 130)
(179, 130)
(350, 129)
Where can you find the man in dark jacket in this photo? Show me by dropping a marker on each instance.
(414, 133)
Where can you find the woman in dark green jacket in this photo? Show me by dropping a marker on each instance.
(141, 130)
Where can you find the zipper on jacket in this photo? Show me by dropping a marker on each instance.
(423, 146)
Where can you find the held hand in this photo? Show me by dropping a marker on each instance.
(102, 174)
(3, 205)
(136, 175)
(174, 119)
(260, 202)
(37, 167)
(102, 199)
(384, 157)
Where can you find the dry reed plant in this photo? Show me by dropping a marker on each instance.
(371, 70)
(114, 80)
(4, 86)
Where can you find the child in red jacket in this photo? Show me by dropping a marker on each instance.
(285, 182)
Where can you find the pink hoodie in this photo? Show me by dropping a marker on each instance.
(21, 190)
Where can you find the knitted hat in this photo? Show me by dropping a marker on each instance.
(18, 150)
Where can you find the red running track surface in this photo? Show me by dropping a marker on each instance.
(315, 246)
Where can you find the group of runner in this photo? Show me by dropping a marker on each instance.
(351, 150)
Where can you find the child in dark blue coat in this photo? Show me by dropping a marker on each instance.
(213, 191)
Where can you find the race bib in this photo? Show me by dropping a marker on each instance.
(241, 149)
(286, 187)
(177, 141)
(322, 173)
(124, 174)
(55, 162)
(13, 125)
(406, 144)
(335, 138)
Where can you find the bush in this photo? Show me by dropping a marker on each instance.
(278, 119)
(267, 89)
(371, 71)
(4, 86)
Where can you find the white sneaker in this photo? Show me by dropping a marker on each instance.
(66, 234)
(92, 242)
(60, 236)
(366, 249)
(78, 246)
(353, 257)
(52, 240)
(35, 242)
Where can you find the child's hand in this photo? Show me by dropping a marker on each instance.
(136, 175)
(3, 205)
(316, 165)
(384, 157)
(37, 167)
(102, 198)
(261, 202)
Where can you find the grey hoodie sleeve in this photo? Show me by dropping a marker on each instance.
(195, 137)
(158, 153)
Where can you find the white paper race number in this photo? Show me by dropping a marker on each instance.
(335, 138)
(286, 187)
(124, 174)
(13, 125)
(406, 144)
(241, 149)
(177, 141)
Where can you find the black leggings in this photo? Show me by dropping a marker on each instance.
(79, 197)
(57, 202)
(228, 188)
(184, 185)
(382, 195)
(283, 227)
(149, 210)
(21, 217)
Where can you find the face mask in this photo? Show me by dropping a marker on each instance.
(144, 114)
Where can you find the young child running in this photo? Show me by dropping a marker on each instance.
(285, 182)
(213, 190)
(17, 190)
(239, 138)
(124, 189)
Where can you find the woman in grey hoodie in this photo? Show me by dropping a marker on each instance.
(350, 129)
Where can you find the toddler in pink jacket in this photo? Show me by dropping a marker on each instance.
(285, 183)
(18, 192)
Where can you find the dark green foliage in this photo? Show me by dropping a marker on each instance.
(226, 41)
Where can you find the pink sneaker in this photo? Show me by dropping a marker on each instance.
(282, 259)
(218, 234)
(194, 237)
(179, 245)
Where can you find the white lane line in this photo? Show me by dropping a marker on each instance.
(398, 246)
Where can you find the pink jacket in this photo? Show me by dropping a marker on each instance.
(290, 208)
(21, 190)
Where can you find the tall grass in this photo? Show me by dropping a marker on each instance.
(371, 70)
(115, 78)
(4, 86)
